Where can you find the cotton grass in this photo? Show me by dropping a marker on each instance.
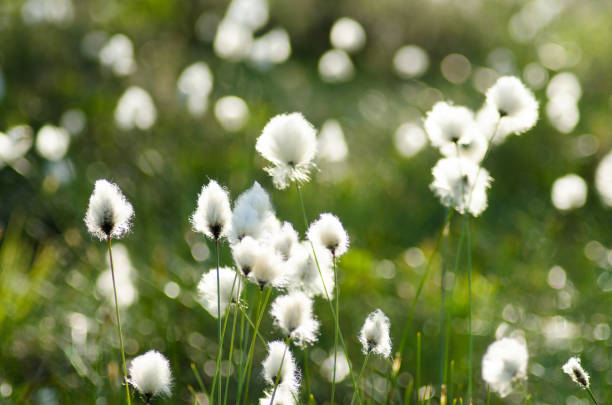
(109, 214)
(150, 374)
(230, 288)
(293, 315)
(504, 363)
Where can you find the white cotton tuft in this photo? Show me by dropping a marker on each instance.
(280, 359)
(251, 211)
(374, 335)
(283, 396)
(268, 268)
(574, 369)
(342, 367)
(109, 213)
(304, 268)
(472, 146)
(569, 192)
(230, 288)
(461, 184)
(603, 179)
(150, 374)
(347, 34)
(292, 313)
(118, 55)
(195, 84)
(446, 123)
(504, 362)
(328, 232)
(331, 145)
(289, 142)
(514, 108)
(135, 109)
(213, 214)
(245, 254)
(285, 240)
(52, 142)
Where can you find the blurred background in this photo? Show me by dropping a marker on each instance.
(159, 96)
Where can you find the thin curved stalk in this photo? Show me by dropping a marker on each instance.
(335, 331)
(358, 387)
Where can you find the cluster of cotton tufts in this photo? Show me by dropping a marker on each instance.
(195, 84)
(289, 142)
(331, 145)
(109, 214)
(118, 55)
(328, 232)
(280, 365)
(603, 179)
(563, 92)
(135, 110)
(15, 144)
(310, 274)
(52, 142)
(253, 214)
(293, 315)
(57, 12)
(410, 62)
(374, 335)
(213, 213)
(473, 146)
(150, 375)
(574, 369)
(342, 367)
(232, 113)
(569, 192)
(230, 289)
(127, 293)
(504, 362)
(461, 184)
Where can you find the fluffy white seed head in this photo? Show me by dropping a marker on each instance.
(230, 288)
(245, 254)
(328, 232)
(304, 273)
(446, 123)
(150, 374)
(251, 210)
(289, 142)
(461, 184)
(512, 105)
(342, 367)
(268, 268)
(109, 214)
(285, 240)
(292, 313)
(213, 214)
(569, 192)
(603, 179)
(275, 363)
(574, 369)
(374, 335)
(504, 362)
(283, 396)
(472, 146)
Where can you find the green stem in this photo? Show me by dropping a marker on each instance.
(243, 370)
(358, 387)
(591, 395)
(280, 368)
(245, 316)
(229, 374)
(217, 368)
(335, 330)
(125, 376)
(418, 372)
(306, 371)
(196, 373)
(470, 343)
(443, 352)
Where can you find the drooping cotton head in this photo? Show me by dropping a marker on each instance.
(603, 179)
(245, 254)
(446, 123)
(292, 313)
(472, 146)
(285, 240)
(109, 214)
(282, 396)
(569, 192)
(230, 288)
(251, 210)
(461, 184)
(313, 275)
(504, 362)
(268, 268)
(574, 369)
(374, 335)
(289, 142)
(213, 213)
(513, 105)
(328, 232)
(280, 360)
(150, 374)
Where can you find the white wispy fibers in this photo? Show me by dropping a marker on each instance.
(410, 61)
(512, 105)
(268, 268)
(504, 362)
(232, 113)
(230, 288)
(118, 55)
(195, 84)
(569, 192)
(252, 209)
(409, 139)
(52, 142)
(280, 362)
(574, 369)
(233, 40)
(603, 179)
(282, 396)
(109, 214)
(135, 109)
(347, 34)
(335, 66)
(15, 143)
(374, 335)
(213, 214)
(285, 240)
(245, 254)
(328, 232)
(447, 123)
(304, 269)
(292, 313)
(289, 142)
(331, 145)
(342, 367)
(150, 374)
(472, 146)
(461, 184)
(127, 293)
(272, 48)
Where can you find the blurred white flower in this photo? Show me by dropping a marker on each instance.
(127, 293)
(109, 214)
(51, 11)
(335, 66)
(230, 289)
(252, 14)
(74, 120)
(281, 363)
(374, 335)
(233, 40)
(409, 139)
(213, 213)
(52, 142)
(348, 35)
(232, 113)
(15, 143)
(569, 192)
(328, 232)
(331, 145)
(118, 55)
(574, 369)
(342, 367)
(603, 179)
(135, 109)
(504, 363)
(564, 83)
(150, 374)
(314, 276)
(446, 123)
(272, 48)
(195, 84)
(292, 313)
(563, 113)
(289, 142)
(410, 62)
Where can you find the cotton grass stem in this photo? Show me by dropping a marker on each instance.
(231, 352)
(335, 331)
(217, 368)
(588, 389)
(469, 270)
(358, 387)
(277, 380)
(125, 376)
